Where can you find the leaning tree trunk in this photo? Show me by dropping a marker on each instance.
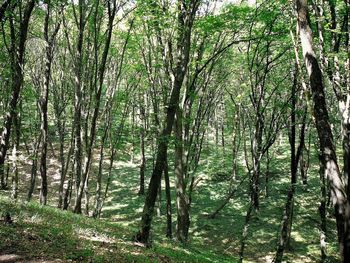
(186, 17)
(324, 131)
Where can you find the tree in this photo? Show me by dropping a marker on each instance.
(17, 51)
(185, 19)
(324, 131)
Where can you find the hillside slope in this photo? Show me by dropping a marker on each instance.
(46, 234)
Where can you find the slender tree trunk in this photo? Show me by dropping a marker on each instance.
(245, 231)
(228, 198)
(285, 225)
(322, 211)
(78, 110)
(159, 199)
(44, 103)
(63, 171)
(185, 23)
(169, 229)
(98, 198)
(15, 155)
(87, 164)
(68, 192)
(256, 148)
(34, 169)
(111, 161)
(142, 148)
(235, 141)
(132, 151)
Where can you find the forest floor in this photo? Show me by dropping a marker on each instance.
(45, 233)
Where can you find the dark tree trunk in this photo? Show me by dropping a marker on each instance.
(169, 228)
(44, 103)
(78, 67)
(98, 198)
(186, 15)
(34, 169)
(228, 198)
(285, 225)
(3, 9)
(87, 164)
(18, 44)
(245, 231)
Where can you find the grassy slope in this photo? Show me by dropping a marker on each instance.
(48, 233)
(44, 232)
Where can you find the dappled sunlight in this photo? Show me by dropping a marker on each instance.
(92, 235)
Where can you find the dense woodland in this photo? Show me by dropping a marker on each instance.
(175, 130)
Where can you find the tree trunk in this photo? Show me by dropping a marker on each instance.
(182, 203)
(15, 155)
(323, 211)
(245, 231)
(142, 148)
(169, 229)
(186, 15)
(17, 64)
(228, 198)
(285, 225)
(87, 164)
(43, 102)
(34, 169)
(324, 131)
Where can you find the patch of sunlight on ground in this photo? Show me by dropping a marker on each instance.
(92, 235)
(119, 184)
(123, 164)
(239, 206)
(36, 219)
(298, 237)
(114, 207)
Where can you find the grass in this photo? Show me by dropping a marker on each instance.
(45, 232)
(48, 233)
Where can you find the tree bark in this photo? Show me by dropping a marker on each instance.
(186, 15)
(324, 131)
(18, 45)
(182, 202)
(43, 102)
(142, 148)
(112, 12)
(15, 155)
(169, 228)
(323, 211)
(34, 169)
